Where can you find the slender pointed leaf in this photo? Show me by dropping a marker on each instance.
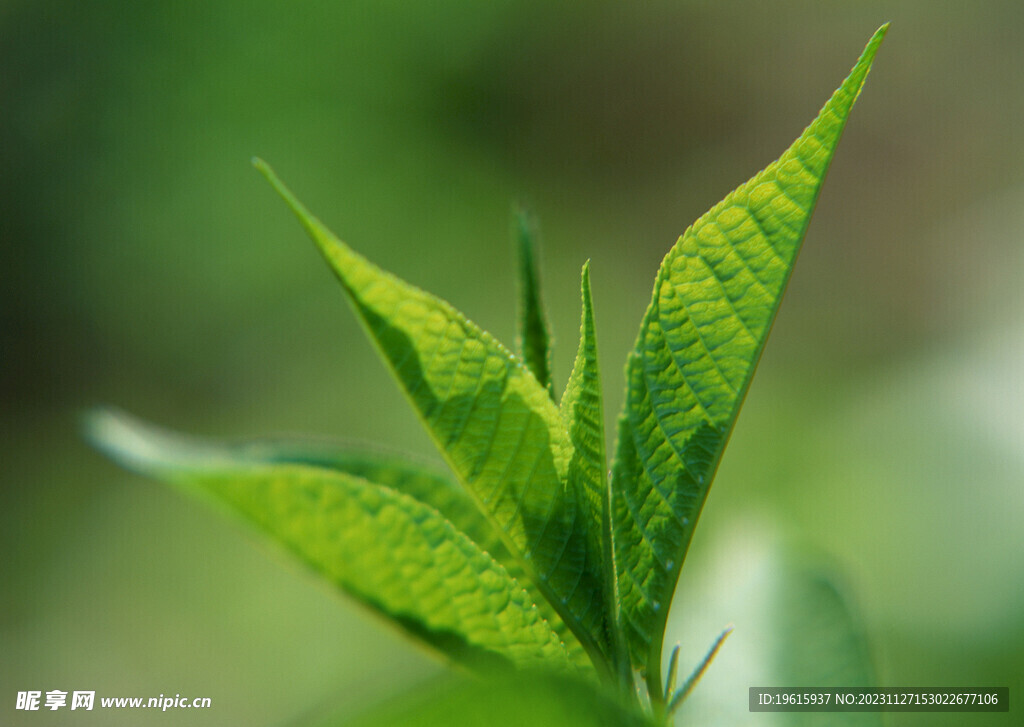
(495, 425)
(397, 556)
(584, 420)
(714, 300)
(534, 335)
(676, 698)
(582, 409)
(420, 482)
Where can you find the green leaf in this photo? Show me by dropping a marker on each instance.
(794, 628)
(397, 472)
(714, 300)
(496, 426)
(420, 482)
(583, 415)
(534, 337)
(536, 700)
(583, 412)
(820, 641)
(816, 640)
(395, 555)
(675, 698)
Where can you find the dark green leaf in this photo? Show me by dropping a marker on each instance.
(534, 337)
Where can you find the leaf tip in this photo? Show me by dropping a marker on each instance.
(120, 437)
(868, 56)
(585, 284)
(316, 230)
(271, 176)
(142, 447)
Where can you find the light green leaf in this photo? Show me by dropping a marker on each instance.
(584, 420)
(392, 553)
(534, 337)
(583, 412)
(496, 426)
(820, 643)
(395, 471)
(714, 300)
(420, 482)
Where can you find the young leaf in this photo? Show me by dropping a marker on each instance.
(584, 420)
(534, 338)
(397, 556)
(714, 300)
(495, 425)
(583, 413)
(398, 473)
(675, 698)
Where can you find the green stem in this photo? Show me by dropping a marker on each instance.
(658, 706)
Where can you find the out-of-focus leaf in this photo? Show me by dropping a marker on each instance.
(534, 336)
(392, 553)
(715, 297)
(674, 696)
(495, 425)
(536, 700)
(793, 628)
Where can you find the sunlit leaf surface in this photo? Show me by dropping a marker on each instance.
(584, 420)
(494, 423)
(420, 482)
(714, 300)
(390, 552)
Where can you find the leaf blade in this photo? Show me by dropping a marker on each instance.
(581, 410)
(416, 480)
(397, 472)
(393, 554)
(714, 299)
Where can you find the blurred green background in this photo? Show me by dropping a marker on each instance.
(147, 266)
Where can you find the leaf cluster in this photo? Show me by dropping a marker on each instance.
(532, 553)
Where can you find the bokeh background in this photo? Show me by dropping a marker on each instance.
(147, 266)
